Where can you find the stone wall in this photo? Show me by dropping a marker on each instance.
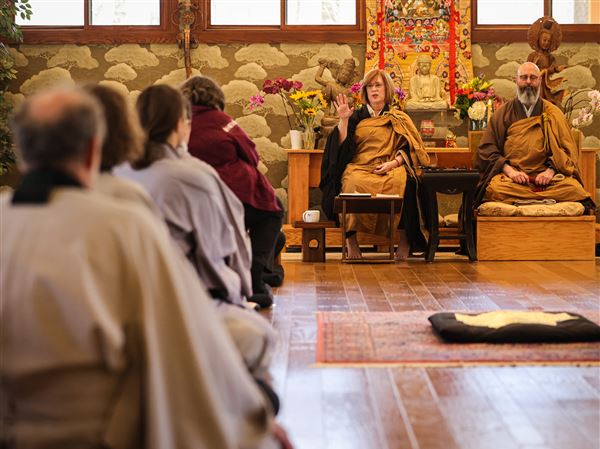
(242, 68)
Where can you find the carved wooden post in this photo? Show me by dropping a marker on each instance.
(187, 9)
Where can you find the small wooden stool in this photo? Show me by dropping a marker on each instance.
(314, 233)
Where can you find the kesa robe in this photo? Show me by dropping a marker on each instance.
(530, 145)
(109, 339)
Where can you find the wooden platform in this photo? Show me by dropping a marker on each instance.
(536, 238)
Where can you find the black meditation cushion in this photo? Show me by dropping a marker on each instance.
(505, 326)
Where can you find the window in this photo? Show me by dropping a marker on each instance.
(59, 13)
(217, 21)
(508, 20)
(102, 12)
(297, 12)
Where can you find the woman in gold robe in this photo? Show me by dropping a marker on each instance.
(375, 149)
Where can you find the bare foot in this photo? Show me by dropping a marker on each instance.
(352, 249)
(403, 247)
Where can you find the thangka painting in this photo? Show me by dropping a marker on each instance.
(399, 30)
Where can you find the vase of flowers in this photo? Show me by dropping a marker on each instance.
(476, 100)
(304, 105)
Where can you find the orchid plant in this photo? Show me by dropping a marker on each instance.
(585, 117)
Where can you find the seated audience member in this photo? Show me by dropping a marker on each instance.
(375, 149)
(219, 141)
(527, 152)
(124, 142)
(108, 338)
(204, 217)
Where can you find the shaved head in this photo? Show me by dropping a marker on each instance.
(56, 127)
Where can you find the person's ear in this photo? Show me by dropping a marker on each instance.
(93, 155)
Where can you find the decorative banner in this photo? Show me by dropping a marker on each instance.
(399, 30)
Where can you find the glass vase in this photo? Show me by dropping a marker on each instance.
(477, 125)
(309, 139)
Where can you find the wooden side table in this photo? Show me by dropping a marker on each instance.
(452, 182)
(368, 205)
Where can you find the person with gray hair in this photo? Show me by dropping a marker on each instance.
(528, 152)
(108, 337)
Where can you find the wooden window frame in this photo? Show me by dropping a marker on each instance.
(518, 33)
(204, 32)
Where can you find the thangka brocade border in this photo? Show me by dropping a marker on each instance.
(398, 31)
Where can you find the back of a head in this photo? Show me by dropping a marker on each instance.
(203, 91)
(159, 108)
(124, 137)
(57, 127)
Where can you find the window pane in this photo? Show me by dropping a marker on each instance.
(54, 13)
(492, 12)
(245, 12)
(125, 12)
(576, 11)
(321, 12)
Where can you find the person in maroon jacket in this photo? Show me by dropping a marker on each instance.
(218, 140)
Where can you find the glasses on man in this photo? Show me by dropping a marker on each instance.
(526, 77)
(375, 86)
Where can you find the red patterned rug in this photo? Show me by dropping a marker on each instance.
(407, 339)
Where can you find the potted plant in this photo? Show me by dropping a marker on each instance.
(9, 30)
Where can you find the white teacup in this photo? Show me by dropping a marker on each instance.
(311, 216)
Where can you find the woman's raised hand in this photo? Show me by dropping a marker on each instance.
(342, 107)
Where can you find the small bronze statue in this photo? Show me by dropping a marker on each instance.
(344, 76)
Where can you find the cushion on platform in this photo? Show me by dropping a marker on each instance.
(505, 326)
(564, 209)
(497, 209)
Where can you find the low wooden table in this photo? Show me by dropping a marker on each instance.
(453, 182)
(368, 205)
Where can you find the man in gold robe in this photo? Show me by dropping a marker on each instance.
(527, 152)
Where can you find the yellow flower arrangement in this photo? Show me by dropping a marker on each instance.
(308, 103)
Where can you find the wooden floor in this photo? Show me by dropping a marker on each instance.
(447, 408)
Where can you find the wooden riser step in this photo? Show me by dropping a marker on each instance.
(536, 238)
